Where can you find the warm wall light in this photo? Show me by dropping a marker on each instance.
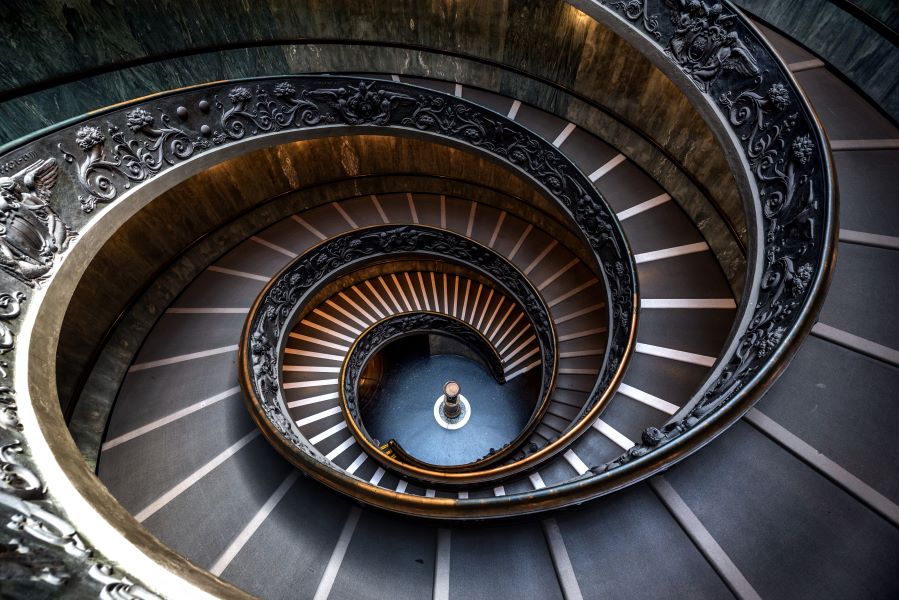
(581, 18)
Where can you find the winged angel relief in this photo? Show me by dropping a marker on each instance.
(704, 44)
(31, 233)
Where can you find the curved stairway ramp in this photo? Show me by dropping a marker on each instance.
(693, 534)
(565, 284)
(794, 501)
(687, 313)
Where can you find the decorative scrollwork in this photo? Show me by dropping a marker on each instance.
(132, 160)
(706, 41)
(40, 551)
(45, 526)
(366, 103)
(637, 10)
(116, 587)
(264, 368)
(703, 39)
(258, 113)
(11, 306)
(16, 478)
(309, 272)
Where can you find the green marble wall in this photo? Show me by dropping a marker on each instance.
(887, 11)
(857, 51)
(81, 55)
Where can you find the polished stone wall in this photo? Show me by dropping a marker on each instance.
(79, 56)
(857, 51)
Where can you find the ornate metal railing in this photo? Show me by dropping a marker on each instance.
(719, 59)
(284, 298)
(64, 526)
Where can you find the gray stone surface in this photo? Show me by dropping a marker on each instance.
(302, 531)
(776, 518)
(664, 226)
(668, 379)
(701, 331)
(844, 113)
(610, 539)
(140, 471)
(849, 413)
(856, 50)
(502, 562)
(685, 276)
(868, 180)
(220, 505)
(631, 417)
(863, 294)
(397, 557)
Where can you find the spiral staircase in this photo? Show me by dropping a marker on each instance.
(653, 243)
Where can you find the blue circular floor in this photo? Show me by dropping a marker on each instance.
(403, 408)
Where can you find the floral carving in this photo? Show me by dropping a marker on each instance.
(779, 96)
(131, 160)
(89, 136)
(283, 89)
(363, 104)
(293, 109)
(239, 96)
(803, 146)
(138, 119)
